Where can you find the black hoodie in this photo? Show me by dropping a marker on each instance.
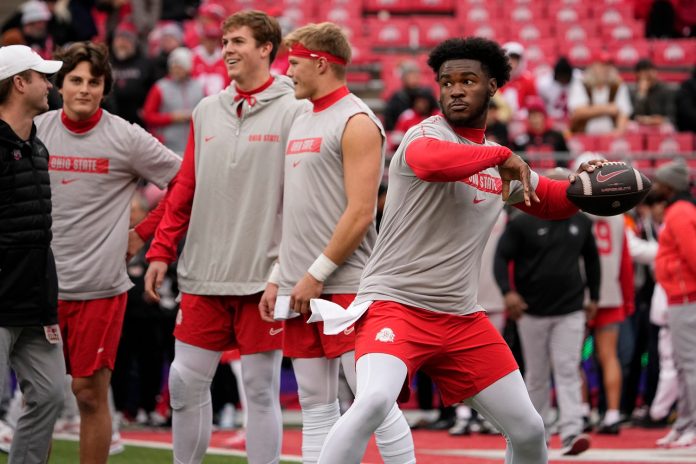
(686, 105)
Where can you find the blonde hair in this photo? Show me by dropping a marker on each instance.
(323, 37)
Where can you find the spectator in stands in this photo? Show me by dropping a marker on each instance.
(171, 101)
(686, 104)
(208, 16)
(661, 21)
(496, 128)
(423, 107)
(653, 102)
(600, 103)
(554, 89)
(169, 37)
(550, 314)
(402, 99)
(133, 75)
(675, 271)
(30, 27)
(540, 136)
(521, 85)
(208, 65)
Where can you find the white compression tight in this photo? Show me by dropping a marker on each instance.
(192, 414)
(264, 420)
(317, 379)
(380, 378)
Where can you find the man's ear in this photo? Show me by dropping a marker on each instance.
(492, 86)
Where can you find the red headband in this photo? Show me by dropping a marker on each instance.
(299, 50)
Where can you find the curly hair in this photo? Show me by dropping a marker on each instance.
(97, 55)
(493, 59)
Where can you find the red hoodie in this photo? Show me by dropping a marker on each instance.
(675, 264)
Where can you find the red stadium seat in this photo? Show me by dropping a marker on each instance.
(477, 14)
(362, 52)
(627, 54)
(530, 31)
(671, 143)
(540, 52)
(522, 14)
(394, 6)
(630, 30)
(581, 53)
(581, 143)
(568, 13)
(624, 145)
(393, 33)
(433, 6)
(576, 32)
(487, 30)
(613, 14)
(674, 52)
(432, 31)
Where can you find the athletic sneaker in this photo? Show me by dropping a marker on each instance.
(67, 426)
(668, 439)
(116, 446)
(609, 429)
(227, 416)
(6, 434)
(686, 440)
(576, 444)
(460, 428)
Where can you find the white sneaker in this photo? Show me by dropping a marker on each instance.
(668, 439)
(116, 446)
(157, 419)
(687, 439)
(6, 434)
(68, 426)
(141, 418)
(227, 417)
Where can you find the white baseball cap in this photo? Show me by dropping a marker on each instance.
(15, 59)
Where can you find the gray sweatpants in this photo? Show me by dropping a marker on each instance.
(554, 344)
(40, 369)
(682, 325)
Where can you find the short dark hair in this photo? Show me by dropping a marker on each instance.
(493, 58)
(264, 28)
(97, 55)
(6, 85)
(644, 64)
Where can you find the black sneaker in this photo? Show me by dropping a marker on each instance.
(586, 424)
(608, 429)
(576, 444)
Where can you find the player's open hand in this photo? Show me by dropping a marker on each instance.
(307, 288)
(591, 310)
(135, 244)
(515, 305)
(153, 280)
(588, 166)
(514, 168)
(267, 303)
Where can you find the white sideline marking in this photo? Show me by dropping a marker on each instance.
(683, 455)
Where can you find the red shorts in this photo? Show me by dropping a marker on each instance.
(607, 316)
(462, 354)
(221, 323)
(91, 331)
(304, 340)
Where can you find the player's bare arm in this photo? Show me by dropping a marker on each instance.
(362, 148)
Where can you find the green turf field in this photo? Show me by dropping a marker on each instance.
(65, 452)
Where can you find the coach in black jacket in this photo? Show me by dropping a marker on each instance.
(30, 340)
(547, 300)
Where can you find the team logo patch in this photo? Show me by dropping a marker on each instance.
(16, 154)
(386, 335)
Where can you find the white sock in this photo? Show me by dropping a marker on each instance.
(463, 412)
(192, 411)
(611, 417)
(264, 421)
(586, 410)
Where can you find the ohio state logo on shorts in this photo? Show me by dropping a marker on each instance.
(385, 335)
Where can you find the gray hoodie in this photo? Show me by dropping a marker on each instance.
(235, 223)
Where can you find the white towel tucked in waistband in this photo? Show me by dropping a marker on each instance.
(336, 318)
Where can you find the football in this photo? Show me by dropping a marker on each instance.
(612, 189)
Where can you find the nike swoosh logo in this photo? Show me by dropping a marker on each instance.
(275, 331)
(208, 139)
(478, 200)
(349, 330)
(603, 178)
(295, 163)
(67, 181)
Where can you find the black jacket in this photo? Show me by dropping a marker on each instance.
(28, 280)
(546, 263)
